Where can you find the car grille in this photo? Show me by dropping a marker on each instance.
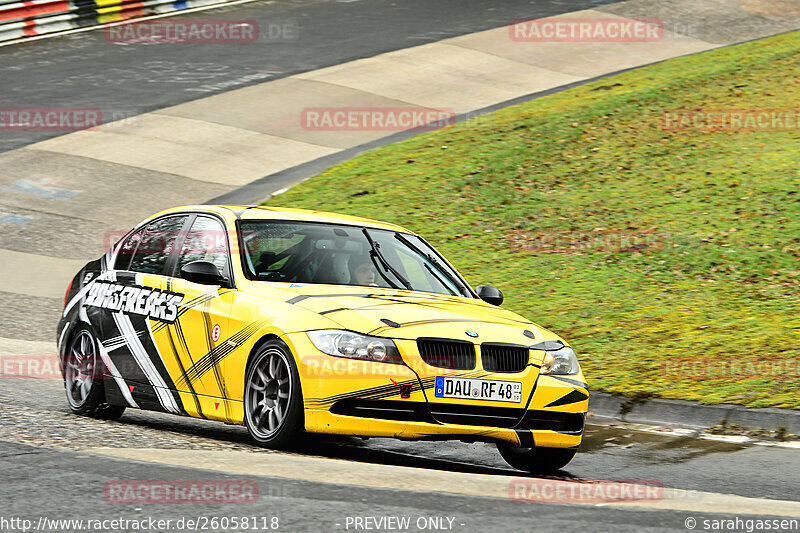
(475, 415)
(504, 357)
(384, 410)
(561, 422)
(446, 353)
(469, 415)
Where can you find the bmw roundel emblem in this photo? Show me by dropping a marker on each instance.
(471, 334)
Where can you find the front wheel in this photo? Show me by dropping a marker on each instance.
(536, 460)
(83, 378)
(273, 401)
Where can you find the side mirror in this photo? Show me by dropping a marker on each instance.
(204, 272)
(489, 294)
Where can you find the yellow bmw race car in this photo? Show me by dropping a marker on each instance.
(289, 321)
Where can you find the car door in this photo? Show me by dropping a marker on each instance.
(134, 302)
(198, 338)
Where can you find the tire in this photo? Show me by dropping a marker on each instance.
(273, 400)
(536, 460)
(83, 378)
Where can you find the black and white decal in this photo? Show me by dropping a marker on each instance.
(118, 379)
(152, 303)
(142, 358)
(118, 304)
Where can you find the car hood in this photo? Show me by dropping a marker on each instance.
(411, 314)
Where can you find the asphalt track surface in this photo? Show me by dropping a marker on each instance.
(57, 482)
(123, 80)
(54, 478)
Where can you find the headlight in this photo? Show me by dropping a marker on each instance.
(342, 343)
(560, 362)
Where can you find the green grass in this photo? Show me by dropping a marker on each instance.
(717, 282)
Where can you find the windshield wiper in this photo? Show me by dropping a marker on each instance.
(432, 259)
(375, 255)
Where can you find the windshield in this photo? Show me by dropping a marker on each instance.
(304, 252)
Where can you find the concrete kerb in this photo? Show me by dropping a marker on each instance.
(264, 188)
(659, 411)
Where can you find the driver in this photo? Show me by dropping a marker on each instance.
(362, 271)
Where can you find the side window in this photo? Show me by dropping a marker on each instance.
(126, 251)
(207, 241)
(156, 243)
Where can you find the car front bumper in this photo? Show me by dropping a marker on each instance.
(369, 399)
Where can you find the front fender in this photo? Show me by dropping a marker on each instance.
(256, 319)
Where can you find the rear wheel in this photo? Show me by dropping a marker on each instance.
(83, 378)
(536, 460)
(273, 401)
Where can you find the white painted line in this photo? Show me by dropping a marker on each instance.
(736, 439)
(25, 347)
(702, 434)
(36, 275)
(431, 481)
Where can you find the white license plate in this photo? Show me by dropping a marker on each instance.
(478, 389)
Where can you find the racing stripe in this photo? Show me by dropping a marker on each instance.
(429, 300)
(159, 364)
(408, 299)
(177, 328)
(184, 377)
(375, 393)
(171, 334)
(80, 295)
(61, 337)
(145, 363)
(575, 382)
(431, 321)
(383, 391)
(123, 387)
(183, 307)
(218, 377)
(115, 342)
(219, 352)
(573, 397)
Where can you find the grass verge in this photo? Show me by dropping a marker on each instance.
(669, 259)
